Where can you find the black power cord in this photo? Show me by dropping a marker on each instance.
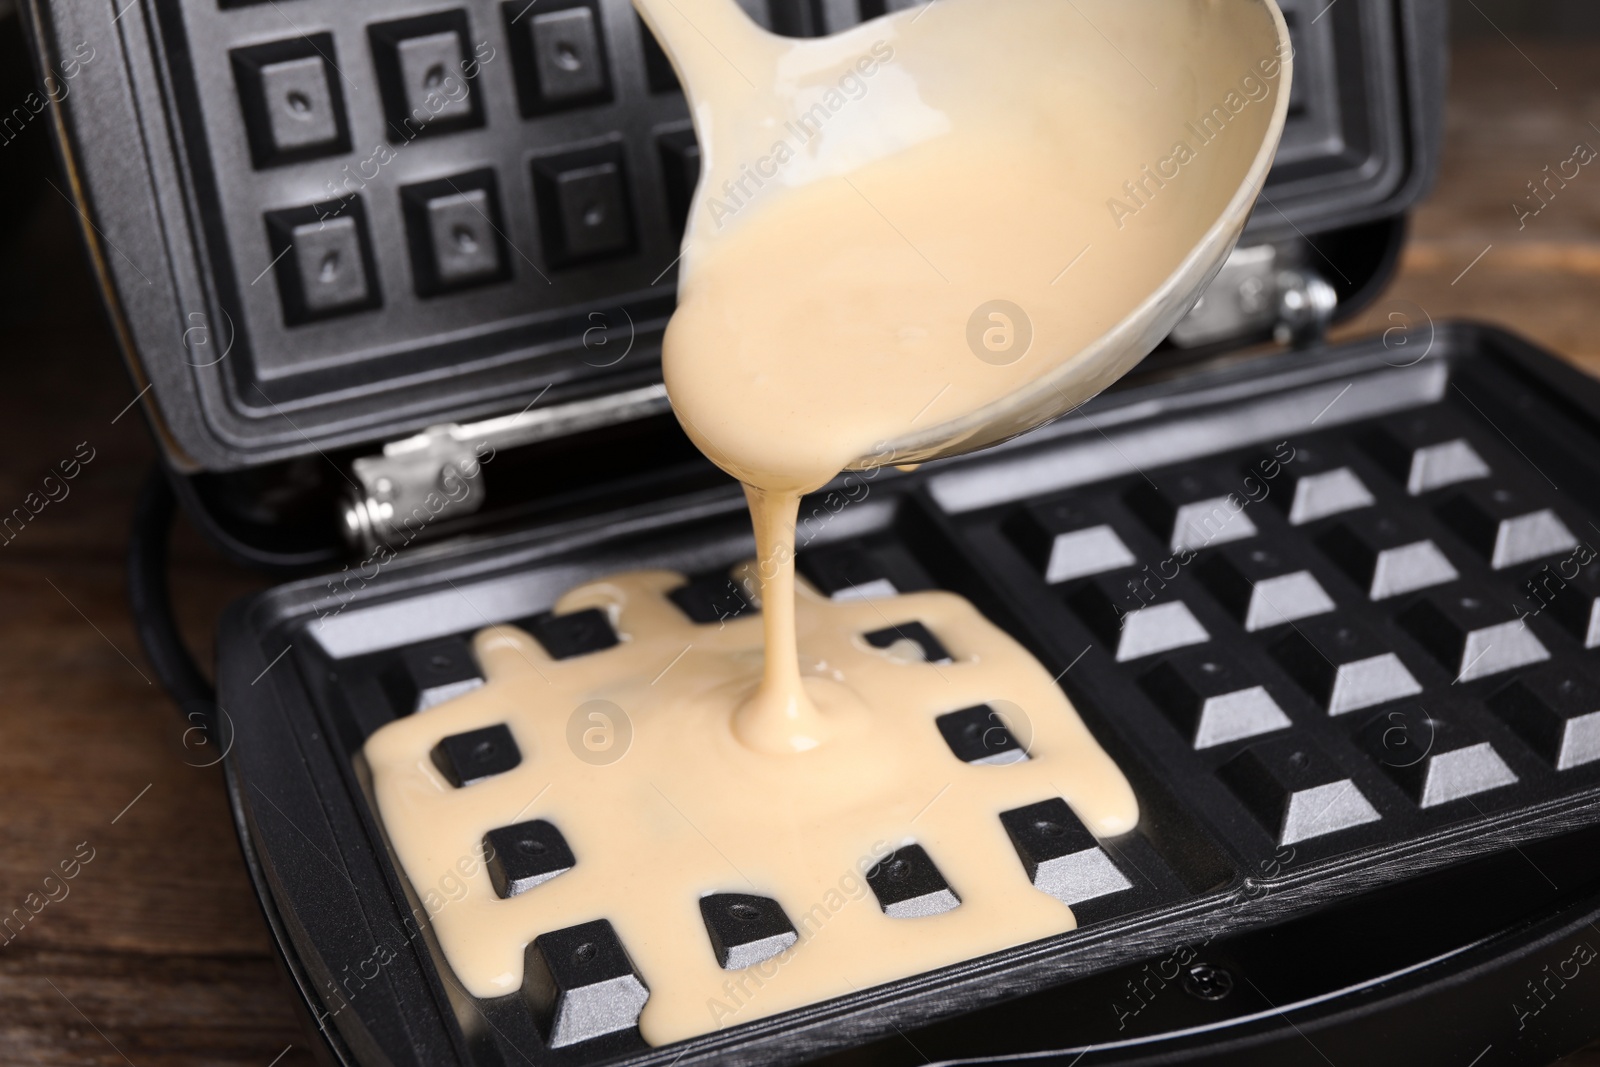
(151, 602)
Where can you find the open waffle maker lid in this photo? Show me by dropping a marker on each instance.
(322, 229)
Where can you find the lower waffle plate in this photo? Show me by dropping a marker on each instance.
(1335, 614)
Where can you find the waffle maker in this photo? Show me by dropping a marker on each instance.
(391, 278)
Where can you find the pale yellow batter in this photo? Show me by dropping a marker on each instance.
(896, 227)
(688, 809)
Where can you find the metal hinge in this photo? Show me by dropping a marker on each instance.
(1254, 291)
(437, 474)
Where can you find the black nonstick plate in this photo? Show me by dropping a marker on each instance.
(1334, 612)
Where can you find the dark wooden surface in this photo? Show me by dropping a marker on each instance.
(156, 956)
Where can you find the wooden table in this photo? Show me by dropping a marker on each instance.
(157, 955)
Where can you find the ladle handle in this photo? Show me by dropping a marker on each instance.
(718, 51)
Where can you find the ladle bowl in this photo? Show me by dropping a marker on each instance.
(745, 84)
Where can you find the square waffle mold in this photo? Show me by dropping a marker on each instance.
(1345, 650)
